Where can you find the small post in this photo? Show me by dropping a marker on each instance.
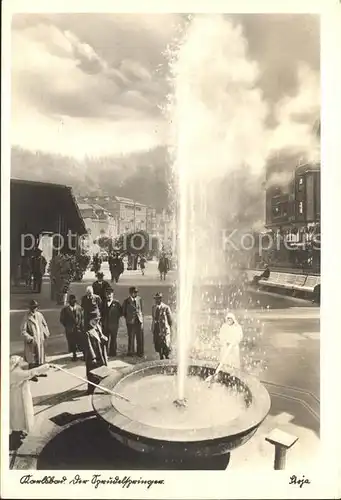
(282, 442)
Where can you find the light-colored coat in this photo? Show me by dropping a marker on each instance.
(21, 404)
(162, 334)
(165, 318)
(230, 337)
(34, 329)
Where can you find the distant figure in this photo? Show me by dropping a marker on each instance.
(112, 311)
(95, 351)
(133, 313)
(163, 266)
(116, 266)
(143, 262)
(21, 404)
(92, 307)
(35, 331)
(264, 276)
(26, 270)
(100, 286)
(38, 270)
(230, 336)
(161, 327)
(96, 263)
(72, 318)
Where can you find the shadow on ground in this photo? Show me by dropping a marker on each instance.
(93, 449)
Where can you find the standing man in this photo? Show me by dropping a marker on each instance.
(35, 331)
(72, 318)
(161, 327)
(38, 270)
(95, 351)
(100, 286)
(163, 266)
(112, 311)
(133, 313)
(92, 307)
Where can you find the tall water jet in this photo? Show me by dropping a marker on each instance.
(217, 116)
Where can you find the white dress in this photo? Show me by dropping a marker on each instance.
(230, 338)
(21, 404)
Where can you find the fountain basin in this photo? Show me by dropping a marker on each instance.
(149, 428)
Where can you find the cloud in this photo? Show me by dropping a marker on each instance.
(79, 102)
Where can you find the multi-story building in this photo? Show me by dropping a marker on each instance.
(128, 215)
(97, 220)
(293, 211)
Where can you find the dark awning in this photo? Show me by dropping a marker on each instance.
(38, 207)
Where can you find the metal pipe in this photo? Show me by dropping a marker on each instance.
(116, 394)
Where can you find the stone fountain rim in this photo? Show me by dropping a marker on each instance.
(243, 424)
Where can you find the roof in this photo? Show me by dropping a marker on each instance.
(43, 206)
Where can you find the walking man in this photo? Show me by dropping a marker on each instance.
(35, 331)
(163, 267)
(161, 327)
(112, 311)
(72, 318)
(143, 261)
(133, 313)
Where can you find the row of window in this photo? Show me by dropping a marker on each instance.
(281, 210)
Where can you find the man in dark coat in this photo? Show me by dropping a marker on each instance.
(95, 351)
(72, 318)
(163, 266)
(100, 286)
(38, 270)
(112, 311)
(133, 313)
(92, 307)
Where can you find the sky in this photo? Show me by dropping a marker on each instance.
(93, 85)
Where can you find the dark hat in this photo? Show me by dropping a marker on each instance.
(33, 303)
(133, 289)
(100, 275)
(109, 289)
(158, 295)
(93, 322)
(72, 296)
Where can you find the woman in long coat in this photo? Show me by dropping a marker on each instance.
(35, 331)
(230, 336)
(21, 404)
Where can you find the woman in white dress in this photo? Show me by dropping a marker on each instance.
(230, 335)
(21, 404)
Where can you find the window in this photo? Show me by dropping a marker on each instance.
(300, 207)
(276, 211)
(300, 183)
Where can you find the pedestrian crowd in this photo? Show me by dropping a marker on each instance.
(91, 328)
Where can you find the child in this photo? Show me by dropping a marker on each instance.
(21, 404)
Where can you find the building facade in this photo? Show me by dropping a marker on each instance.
(97, 220)
(293, 211)
(128, 215)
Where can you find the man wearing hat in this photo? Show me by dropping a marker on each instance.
(112, 311)
(72, 318)
(35, 331)
(161, 327)
(100, 286)
(38, 270)
(133, 313)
